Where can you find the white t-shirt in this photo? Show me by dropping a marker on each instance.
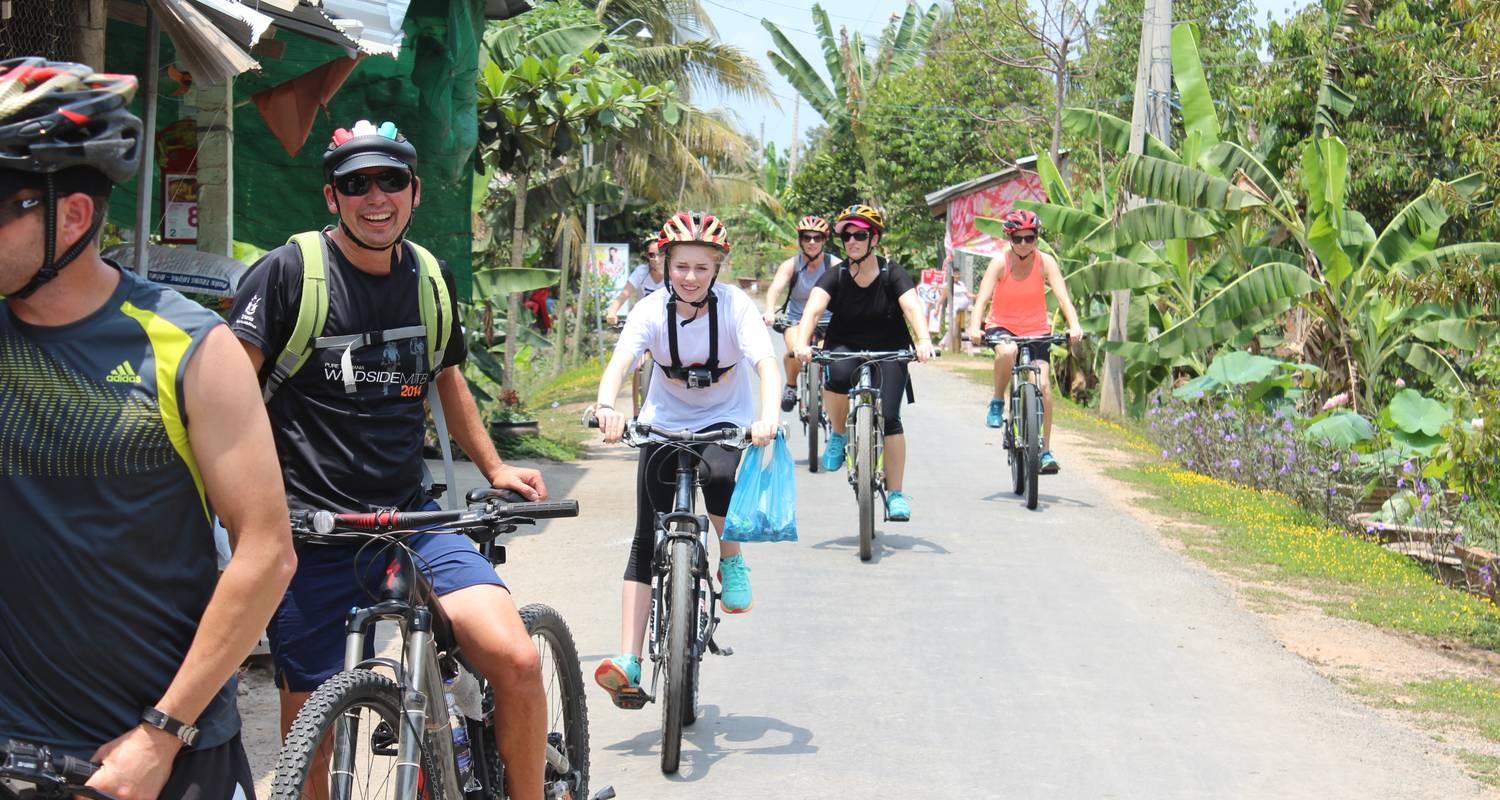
(641, 280)
(743, 343)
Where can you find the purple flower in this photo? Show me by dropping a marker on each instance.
(1369, 529)
(1426, 498)
(1283, 469)
(1199, 395)
(1400, 483)
(1484, 575)
(1353, 458)
(1312, 470)
(1228, 413)
(1163, 455)
(1458, 539)
(1407, 468)
(1416, 520)
(1234, 464)
(1190, 463)
(1464, 497)
(1333, 490)
(1179, 450)
(1198, 430)
(1287, 425)
(1153, 425)
(1335, 466)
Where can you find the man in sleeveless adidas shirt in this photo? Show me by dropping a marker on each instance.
(800, 274)
(349, 427)
(128, 414)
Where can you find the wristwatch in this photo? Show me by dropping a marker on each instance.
(157, 718)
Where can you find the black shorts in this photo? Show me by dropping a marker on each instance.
(1041, 352)
(218, 773)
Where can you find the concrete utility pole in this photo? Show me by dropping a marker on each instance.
(1151, 110)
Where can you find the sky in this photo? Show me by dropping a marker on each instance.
(738, 23)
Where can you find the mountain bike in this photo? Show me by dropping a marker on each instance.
(809, 395)
(427, 730)
(684, 597)
(1023, 430)
(865, 452)
(54, 777)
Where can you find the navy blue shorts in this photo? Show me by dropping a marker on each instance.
(307, 631)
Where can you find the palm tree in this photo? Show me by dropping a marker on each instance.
(853, 72)
(704, 146)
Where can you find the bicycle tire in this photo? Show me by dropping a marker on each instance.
(1015, 453)
(1031, 405)
(864, 483)
(814, 411)
(679, 599)
(344, 692)
(569, 719)
(690, 698)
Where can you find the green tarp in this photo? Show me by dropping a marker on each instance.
(429, 92)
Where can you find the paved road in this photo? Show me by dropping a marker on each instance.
(987, 651)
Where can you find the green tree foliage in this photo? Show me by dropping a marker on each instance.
(951, 118)
(1426, 100)
(1228, 36)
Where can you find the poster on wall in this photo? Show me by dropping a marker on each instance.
(611, 266)
(179, 199)
(994, 201)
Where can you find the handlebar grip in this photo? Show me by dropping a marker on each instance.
(549, 509)
(589, 420)
(74, 770)
(482, 493)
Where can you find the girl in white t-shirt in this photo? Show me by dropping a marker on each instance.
(694, 246)
(646, 278)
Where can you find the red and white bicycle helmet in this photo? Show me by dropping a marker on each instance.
(1022, 220)
(693, 227)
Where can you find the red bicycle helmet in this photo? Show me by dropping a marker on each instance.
(1022, 220)
(693, 227)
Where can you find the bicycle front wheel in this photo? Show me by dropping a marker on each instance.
(680, 617)
(814, 411)
(864, 480)
(1031, 414)
(345, 739)
(567, 712)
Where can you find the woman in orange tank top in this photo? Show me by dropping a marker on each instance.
(1014, 286)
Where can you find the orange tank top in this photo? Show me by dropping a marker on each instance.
(1019, 305)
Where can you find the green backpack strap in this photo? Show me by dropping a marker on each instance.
(437, 306)
(311, 314)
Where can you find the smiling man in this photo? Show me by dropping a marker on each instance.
(348, 327)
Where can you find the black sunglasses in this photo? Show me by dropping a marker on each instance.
(813, 237)
(15, 209)
(858, 236)
(1023, 239)
(357, 184)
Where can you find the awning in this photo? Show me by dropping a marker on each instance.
(213, 37)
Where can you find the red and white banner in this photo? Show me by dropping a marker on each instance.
(995, 202)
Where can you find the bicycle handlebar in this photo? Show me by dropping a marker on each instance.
(830, 356)
(993, 338)
(638, 433)
(37, 765)
(486, 510)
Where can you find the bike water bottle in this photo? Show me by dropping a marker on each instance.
(462, 751)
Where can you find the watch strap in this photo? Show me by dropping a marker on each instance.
(157, 718)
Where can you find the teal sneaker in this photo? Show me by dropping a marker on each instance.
(896, 507)
(833, 454)
(619, 676)
(1049, 464)
(735, 576)
(996, 416)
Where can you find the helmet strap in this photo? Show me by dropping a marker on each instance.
(50, 266)
(394, 246)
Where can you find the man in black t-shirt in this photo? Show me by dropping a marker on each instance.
(872, 301)
(349, 426)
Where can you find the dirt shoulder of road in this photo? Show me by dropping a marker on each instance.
(1443, 686)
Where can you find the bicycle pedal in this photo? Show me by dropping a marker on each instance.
(607, 793)
(631, 699)
(714, 648)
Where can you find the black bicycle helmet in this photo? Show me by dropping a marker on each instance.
(367, 146)
(65, 128)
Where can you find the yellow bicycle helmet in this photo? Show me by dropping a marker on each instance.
(863, 213)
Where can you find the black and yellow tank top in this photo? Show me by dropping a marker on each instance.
(106, 542)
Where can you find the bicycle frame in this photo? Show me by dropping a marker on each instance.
(865, 393)
(696, 533)
(424, 706)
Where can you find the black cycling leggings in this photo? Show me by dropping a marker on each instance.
(888, 376)
(656, 483)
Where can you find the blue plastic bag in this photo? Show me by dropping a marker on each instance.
(764, 505)
(742, 522)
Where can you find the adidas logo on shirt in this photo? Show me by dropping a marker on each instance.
(123, 374)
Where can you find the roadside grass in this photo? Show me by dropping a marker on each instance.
(1266, 537)
(556, 402)
(1446, 704)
